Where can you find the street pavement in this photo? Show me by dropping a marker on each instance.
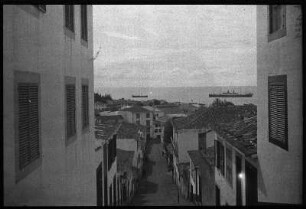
(157, 187)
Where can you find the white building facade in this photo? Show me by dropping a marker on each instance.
(280, 120)
(49, 156)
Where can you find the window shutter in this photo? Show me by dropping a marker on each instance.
(28, 124)
(85, 112)
(278, 118)
(70, 93)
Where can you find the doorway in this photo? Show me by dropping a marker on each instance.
(99, 184)
(218, 203)
(251, 184)
(238, 180)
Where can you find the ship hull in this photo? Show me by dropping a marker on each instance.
(220, 95)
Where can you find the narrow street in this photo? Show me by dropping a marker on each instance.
(157, 187)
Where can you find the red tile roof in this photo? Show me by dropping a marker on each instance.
(106, 129)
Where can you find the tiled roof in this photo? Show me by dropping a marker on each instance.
(130, 131)
(241, 134)
(105, 130)
(208, 117)
(107, 118)
(136, 109)
(124, 160)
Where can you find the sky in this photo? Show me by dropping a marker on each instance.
(174, 45)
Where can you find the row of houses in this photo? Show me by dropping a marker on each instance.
(245, 155)
(119, 151)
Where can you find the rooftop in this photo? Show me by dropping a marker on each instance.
(136, 109)
(241, 134)
(105, 129)
(130, 130)
(207, 117)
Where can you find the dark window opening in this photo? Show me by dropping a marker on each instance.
(84, 33)
(69, 17)
(85, 108)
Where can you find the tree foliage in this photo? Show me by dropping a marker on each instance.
(99, 98)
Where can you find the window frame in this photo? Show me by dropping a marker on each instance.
(84, 31)
(67, 30)
(30, 78)
(85, 124)
(280, 32)
(283, 80)
(69, 139)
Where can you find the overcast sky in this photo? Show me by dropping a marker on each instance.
(174, 45)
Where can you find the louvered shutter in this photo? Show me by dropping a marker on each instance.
(278, 118)
(28, 124)
(70, 100)
(85, 111)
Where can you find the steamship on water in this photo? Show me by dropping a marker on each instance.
(231, 94)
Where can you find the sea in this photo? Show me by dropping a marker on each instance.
(182, 94)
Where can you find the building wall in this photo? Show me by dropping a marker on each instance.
(280, 172)
(131, 118)
(208, 183)
(210, 138)
(98, 160)
(187, 140)
(36, 42)
(228, 192)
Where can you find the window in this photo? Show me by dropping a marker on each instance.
(148, 123)
(28, 144)
(84, 22)
(277, 22)
(69, 17)
(278, 115)
(138, 122)
(85, 111)
(148, 115)
(41, 8)
(229, 172)
(137, 115)
(202, 141)
(220, 157)
(70, 109)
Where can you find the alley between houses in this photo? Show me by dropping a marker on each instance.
(157, 187)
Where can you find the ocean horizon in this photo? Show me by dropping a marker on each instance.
(182, 94)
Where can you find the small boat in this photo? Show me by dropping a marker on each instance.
(231, 94)
(140, 96)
